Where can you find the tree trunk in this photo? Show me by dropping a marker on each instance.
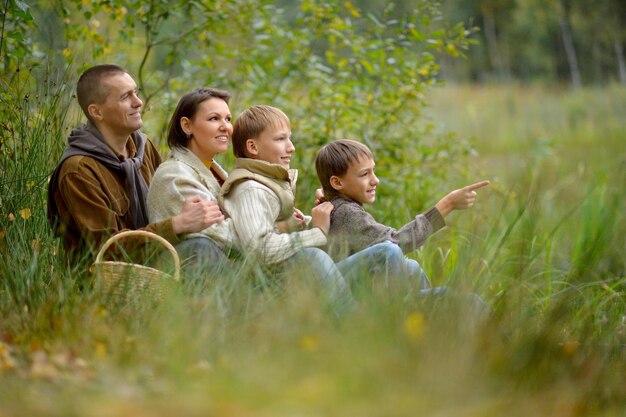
(621, 65)
(492, 40)
(568, 42)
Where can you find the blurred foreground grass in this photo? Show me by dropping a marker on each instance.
(544, 246)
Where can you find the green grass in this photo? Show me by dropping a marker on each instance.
(544, 247)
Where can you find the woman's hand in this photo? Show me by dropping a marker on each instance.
(196, 215)
(460, 199)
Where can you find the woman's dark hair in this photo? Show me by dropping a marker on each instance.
(187, 107)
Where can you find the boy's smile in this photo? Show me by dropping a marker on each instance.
(359, 182)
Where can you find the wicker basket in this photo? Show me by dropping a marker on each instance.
(126, 282)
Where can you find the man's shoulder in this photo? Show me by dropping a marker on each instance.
(80, 164)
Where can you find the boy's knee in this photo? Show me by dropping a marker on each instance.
(389, 251)
(315, 254)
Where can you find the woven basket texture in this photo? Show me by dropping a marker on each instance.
(128, 282)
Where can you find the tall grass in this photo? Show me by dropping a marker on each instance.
(544, 247)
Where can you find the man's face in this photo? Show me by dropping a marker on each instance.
(121, 111)
(273, 145)
(359, 182)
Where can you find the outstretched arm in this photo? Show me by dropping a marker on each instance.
(460, 199)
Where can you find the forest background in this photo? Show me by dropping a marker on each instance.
(527, 93)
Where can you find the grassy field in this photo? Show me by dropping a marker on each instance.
(544, 247)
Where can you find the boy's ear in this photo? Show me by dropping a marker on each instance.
(336, 183)
(251, 147)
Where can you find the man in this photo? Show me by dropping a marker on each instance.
(100, 185)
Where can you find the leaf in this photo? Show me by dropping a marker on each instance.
(21, 5)
(16, 35)
(25, 213)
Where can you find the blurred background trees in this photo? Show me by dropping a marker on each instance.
(566, 41)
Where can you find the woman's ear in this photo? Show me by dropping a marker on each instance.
(336, 183)
(185, 124)
(251, 147)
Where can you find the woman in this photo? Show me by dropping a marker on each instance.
(199, 129)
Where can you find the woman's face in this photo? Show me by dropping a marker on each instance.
(210, 128)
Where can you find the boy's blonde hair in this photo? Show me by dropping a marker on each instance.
(252, 122)
(334, 159)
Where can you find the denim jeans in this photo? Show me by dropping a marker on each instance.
(383, 259)
(201, 259)
(319, 264)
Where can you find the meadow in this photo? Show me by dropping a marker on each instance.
(544, 247)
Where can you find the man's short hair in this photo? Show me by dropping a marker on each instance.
(90, 89)
(252, 122)
(188, 106)
(334, 159)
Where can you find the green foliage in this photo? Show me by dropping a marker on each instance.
(543, 246)
(17, 21)
(341, 72)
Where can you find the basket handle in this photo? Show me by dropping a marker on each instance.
(142, 233)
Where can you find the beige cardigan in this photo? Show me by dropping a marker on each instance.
(181, 176)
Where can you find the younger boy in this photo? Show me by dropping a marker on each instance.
(345, 169)
(259, 198)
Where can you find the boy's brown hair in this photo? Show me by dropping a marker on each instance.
(252, 122)
(334, 159)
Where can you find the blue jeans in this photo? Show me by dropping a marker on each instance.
(323, 268)
(385, 260)
(201, 259)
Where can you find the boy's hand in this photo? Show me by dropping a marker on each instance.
(298, 215)
(296, 222)
(319, 196)
(196, 215)
(321, 216)
(459, 199)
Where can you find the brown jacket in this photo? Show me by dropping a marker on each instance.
(93, 202)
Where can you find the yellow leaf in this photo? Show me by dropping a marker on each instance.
(67, 52)
(25, 213)
(414, 326)
(36, 244)
(353, 10)
(309, 343)
(2, 233)
(101, 350)
(95, 23)
(11, 217)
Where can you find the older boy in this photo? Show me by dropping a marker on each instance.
(345, 169)
(259, 194)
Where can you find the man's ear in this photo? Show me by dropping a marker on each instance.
(336, 183)
(251, 147)
(184, 124)
(94, 111)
